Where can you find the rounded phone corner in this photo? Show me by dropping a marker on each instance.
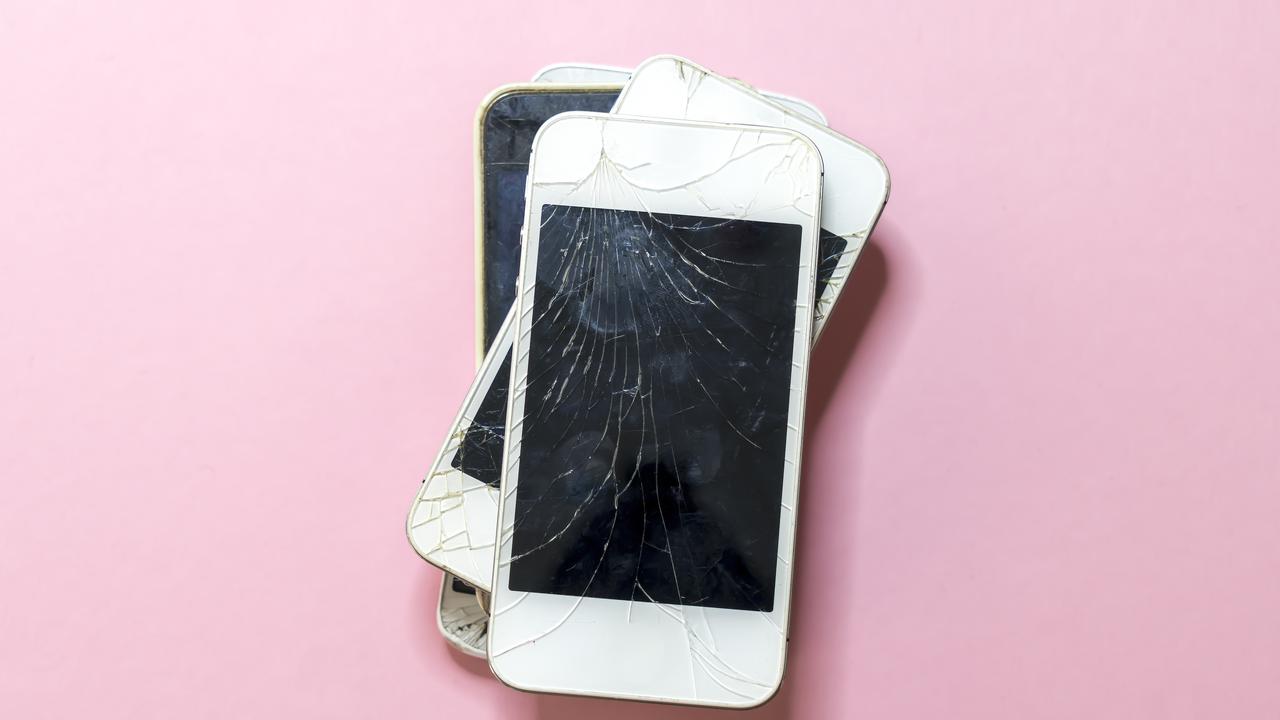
(496, 665)
(770, 692)
(884, 169)
(663, 57)
(426, 557)
(496, 94)
(558, 119)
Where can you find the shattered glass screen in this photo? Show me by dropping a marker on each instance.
(509, 128)
(479, 452)
(656, 410)
(480, 449)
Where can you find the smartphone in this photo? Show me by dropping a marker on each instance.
(591, 73)
(505, 125)
(452, 522)
(662, 337)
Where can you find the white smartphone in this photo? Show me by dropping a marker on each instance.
(461, 618)
(662, 335)
(592, 73)
(452, 522)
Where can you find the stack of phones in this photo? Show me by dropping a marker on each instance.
(615, 503)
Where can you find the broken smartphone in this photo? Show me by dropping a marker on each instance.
(452, 522)
(662, 335)
(461, 618)
(505, 125)
(591, 73)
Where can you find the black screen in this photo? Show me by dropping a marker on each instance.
(656, 408)
(510, 125)
(480, 450)
(479, 453)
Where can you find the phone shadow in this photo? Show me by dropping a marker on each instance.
(809, 672)
(847, 327)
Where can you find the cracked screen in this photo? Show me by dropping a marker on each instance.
(510, 125)
(657, 414)
(479, 453)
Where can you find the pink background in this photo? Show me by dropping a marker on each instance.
(1042, 479)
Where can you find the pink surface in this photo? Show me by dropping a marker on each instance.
(1042, 472)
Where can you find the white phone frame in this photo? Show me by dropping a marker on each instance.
(570, 72)
(641, 650)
